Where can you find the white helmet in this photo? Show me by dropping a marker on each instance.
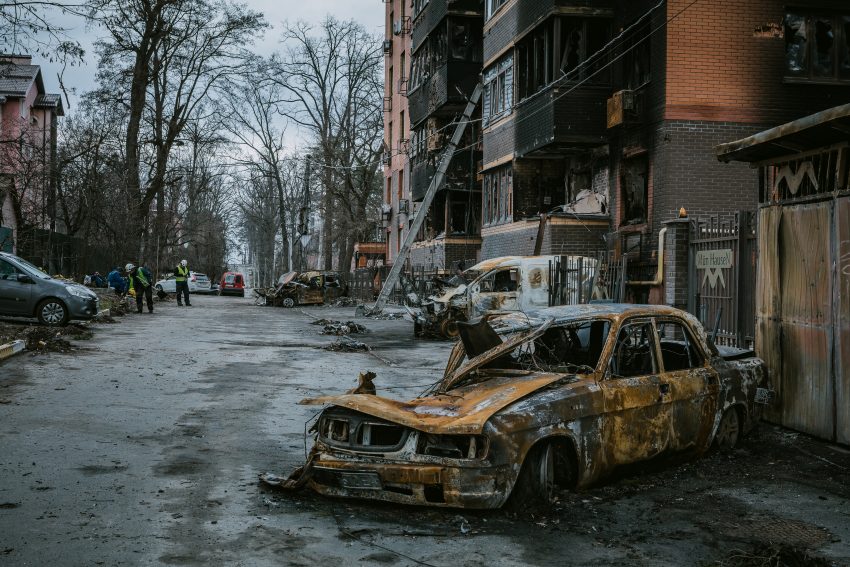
(183, 262)
(129, 267)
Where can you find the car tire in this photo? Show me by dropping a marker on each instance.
(52, 312)
(289, 302)
(548, 464)
(728, 430)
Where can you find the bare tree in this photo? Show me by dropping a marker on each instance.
(325, 77)
(28, 26)
(168, 55)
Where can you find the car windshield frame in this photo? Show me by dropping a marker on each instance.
(31, 268)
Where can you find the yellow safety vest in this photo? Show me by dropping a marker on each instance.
(182, 273)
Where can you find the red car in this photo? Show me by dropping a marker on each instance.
(232, 283)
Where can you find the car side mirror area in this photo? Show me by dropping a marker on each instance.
(25, 278)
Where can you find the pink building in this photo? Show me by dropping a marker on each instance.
(28, 121)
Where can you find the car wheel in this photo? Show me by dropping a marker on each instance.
(52, 312)
(288, 302)
(449, 329)
(547, 464)
(728, 430)
(159, 287)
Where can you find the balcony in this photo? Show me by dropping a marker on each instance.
(440, 90)
(463, 167)
(551, 122)
(435, 11)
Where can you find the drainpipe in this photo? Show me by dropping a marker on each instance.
(659, 275)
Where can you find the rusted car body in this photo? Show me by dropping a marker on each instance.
(563, 397)
(305, 288)
(498, 285)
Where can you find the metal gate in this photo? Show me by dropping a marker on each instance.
(721, 273)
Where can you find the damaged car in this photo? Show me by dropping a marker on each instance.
(498, 285)
(527, 404)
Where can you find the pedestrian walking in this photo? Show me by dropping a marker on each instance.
(140, 282)
(181, 281)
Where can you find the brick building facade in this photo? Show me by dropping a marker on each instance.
(605, 113)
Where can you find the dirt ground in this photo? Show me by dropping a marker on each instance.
(143, 447)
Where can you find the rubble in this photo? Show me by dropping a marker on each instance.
(347, 346)
(341, 329)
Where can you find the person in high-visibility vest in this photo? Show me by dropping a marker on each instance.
(181, 279)
(140, 282)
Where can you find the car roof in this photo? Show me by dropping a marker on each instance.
(566, 313)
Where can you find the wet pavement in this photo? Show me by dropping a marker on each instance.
(143, 447)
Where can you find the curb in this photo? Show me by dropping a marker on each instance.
(11, 349)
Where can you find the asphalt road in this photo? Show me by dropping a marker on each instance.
(144, 446)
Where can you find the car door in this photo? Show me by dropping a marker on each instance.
(497, 291)
(637, 408)
(694, 383)
(15, 296)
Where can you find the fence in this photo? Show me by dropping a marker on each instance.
(722, 260)
(414, 284)
(573, 279)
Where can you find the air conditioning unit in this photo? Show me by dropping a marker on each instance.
(388, 46)
(403, 207)
(621, 108)
(388, 158)
(404, 146)
(388, 104)
(397, 27)
(403, 84)
(402, 26)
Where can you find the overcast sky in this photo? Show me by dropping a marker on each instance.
(81, 79)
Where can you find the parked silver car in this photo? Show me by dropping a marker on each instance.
(198, 283)
(26, 291)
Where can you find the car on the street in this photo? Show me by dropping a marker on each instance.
(561, 396)
(26, 291)
(232, 283)
(198, 283)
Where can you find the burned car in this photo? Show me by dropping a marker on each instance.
(305, 288)
(563, 397)
(498, 285)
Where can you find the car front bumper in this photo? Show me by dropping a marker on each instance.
(82, 308)
(481, 486)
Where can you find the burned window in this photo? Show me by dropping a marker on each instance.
(498, 196)
(464, 40)
(634, 190)
(636, 59)
(502, 281)
(678, 348)
(430, 56)
(566, 48)
(498, 89)
(817, 46)
(572, 348)
(634, 352)
(418, 6)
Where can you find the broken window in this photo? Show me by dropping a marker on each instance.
(634, 190)
(817, 46)
(634, 352)
(562, 47)
(498, 89)
(498, 196)
(678, 348)
(465, 40)
(491, 7)
(573, 348)
(418, 6)
(636, 60)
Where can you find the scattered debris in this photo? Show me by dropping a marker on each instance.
(345, 302)
(347, 346)
(324, 322)
(386, 316)
(772, 556)
(341, 329)
(365, 384)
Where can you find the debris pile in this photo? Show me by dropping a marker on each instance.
(341, 329)
(345, 302)
(385, 316)
(46, 339)
(347, 346)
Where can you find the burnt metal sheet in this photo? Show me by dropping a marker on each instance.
(465, 410)
(811, 132)
(767, 343)
(842, 320)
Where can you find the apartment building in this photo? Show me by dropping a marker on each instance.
(397, 209)
(599, 118)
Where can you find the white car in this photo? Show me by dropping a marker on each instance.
(198, 283)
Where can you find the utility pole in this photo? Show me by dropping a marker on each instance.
(304, 216)
(436, 185)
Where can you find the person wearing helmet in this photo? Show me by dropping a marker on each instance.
(140, 282)
(181, 280)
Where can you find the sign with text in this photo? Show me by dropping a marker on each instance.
(713, 261)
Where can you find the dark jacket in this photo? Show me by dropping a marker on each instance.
(140, 278)
(117, 281)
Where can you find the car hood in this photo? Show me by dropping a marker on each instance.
(462, 410)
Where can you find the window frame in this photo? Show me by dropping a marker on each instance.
(840, 21)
